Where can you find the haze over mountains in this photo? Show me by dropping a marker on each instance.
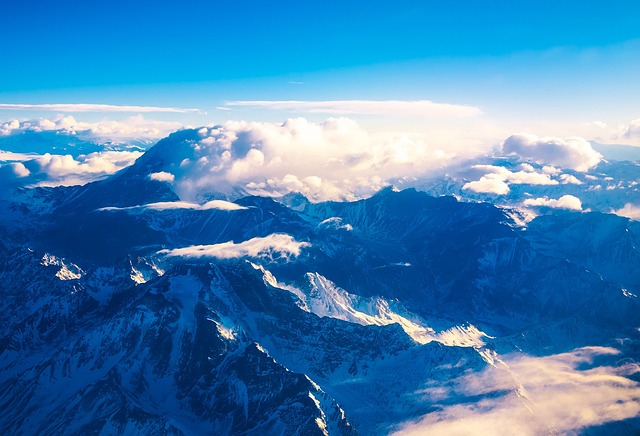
(279, 278)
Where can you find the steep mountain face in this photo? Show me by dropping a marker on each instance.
(126, 310)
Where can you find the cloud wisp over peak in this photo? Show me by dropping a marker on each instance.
(274, 245)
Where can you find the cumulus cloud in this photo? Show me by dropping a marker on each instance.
(274, 245)
(162, 176)
(489, 184)
(562, 394)
(336, 159)
(88, 107)
(564, 202)
(423, 108)
(132, 127)
(19, 169)
(568, 179)
(496, 179)
(99, 163)
(65, 170)
(629, 210)
(574, 152)
(178, 205)
(632, 130)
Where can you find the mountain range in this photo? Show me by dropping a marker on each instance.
(128, 309)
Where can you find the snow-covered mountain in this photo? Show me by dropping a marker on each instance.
(129, 309)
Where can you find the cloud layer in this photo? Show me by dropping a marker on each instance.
(535, 395)
(629, 210)
(422, 108)
(574, 153)
(133, 127)
(274, 245)
(496, 179)
(336, 159)
(565, 202)
(65, 170)
(181, 205)
(87, 107)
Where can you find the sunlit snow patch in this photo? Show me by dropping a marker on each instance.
(67, 271)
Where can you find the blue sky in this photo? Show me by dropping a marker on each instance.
(547, 66)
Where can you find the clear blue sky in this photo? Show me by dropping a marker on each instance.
(560, 57)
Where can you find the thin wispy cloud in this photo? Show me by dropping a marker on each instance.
(423, 108)
(559, 394)
(274, 245)
(180, 205)
(88, 107)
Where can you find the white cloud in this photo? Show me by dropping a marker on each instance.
(567, 179)
(632, 130)
(551, 170)
(336, 159)
(526, 178)
(424, 108)
(564, 202)
(162, 176)
(574, 152)
(8, 156)
(178, 205)
(278, 244)
(496, 179)
(19, 169)
(628, 211)
(65, 170)
(99, 163)
(488, 184)
(132, 127)
(88, 107)
(535, 395)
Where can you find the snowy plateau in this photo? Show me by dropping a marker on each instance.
(432, 307)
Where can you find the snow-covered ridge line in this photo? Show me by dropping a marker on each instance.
(324, 299)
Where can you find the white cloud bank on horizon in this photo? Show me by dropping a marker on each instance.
(535, 395)
(565, 202)
(136, 127)
(274, 245)
(65, 170)
(629, 210)
(423, 108)
(180, 205)
(574, 152)
(89, 107)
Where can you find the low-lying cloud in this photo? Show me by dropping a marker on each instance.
(565, 202)
(629, 210)
(65, 170)
(573, 153)
(272, 246)
(132, 127)
(180, 205)
(562, 393)
(497, 179)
